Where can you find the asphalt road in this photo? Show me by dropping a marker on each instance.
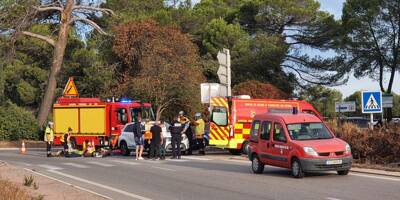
(201, 177)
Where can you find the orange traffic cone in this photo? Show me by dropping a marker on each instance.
(23, 149)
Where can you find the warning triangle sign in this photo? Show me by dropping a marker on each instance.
(371, 103)
(70, 89)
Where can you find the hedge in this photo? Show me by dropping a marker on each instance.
(17, 123)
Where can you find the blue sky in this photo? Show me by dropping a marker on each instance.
(335, 7)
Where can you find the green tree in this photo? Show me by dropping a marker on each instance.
(297, 25)
(322, 98)
(371, 43)
(21, 15)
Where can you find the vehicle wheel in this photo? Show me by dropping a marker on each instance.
(246, 148)
(124, 148)
(256, 165)
(168, 148)
(297, 170)
(343, 172)
(183, 147)
(235, 151)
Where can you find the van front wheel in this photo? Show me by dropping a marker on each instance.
(256, 165)
(297, 170)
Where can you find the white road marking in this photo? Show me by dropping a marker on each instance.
(101, 185)
(76, 165)
(331, 198)
(99, 163)
(78, 187)
(238, 161)
(125, 162)
(162, 168)
(376, 177)
(196, 158)
(51, 167)
(177, 160)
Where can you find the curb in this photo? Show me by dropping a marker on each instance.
(375, 172)
(355, 169)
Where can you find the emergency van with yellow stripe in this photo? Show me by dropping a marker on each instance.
(231, 118)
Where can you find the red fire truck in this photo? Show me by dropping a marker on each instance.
(93, 119)
(231, 118)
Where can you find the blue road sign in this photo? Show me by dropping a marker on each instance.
(371, 102)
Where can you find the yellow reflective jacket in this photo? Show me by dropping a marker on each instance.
(49, 135)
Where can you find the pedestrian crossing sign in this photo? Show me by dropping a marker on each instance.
(371, 102)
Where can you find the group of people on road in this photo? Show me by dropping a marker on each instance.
(49, 139)
(180, 127)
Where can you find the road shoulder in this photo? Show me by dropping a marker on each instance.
(46, 187)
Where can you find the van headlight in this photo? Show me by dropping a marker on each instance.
(348, 148)
(310, 151)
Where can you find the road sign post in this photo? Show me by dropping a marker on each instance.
(224, 70)
(371, 103)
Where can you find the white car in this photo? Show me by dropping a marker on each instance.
(126, 141)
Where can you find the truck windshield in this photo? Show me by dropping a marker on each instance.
(145, 112)
(309, 131)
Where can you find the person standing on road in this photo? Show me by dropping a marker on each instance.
(155, 142)
(49, 137)
(176, 138)
(185, 122)
(138, 130)
(199, 130)
(164, 129)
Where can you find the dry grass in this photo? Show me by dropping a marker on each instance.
(10, 191)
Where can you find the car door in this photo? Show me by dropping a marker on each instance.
(279, 146)
(130, 138)
(264, 142)
(254, 136)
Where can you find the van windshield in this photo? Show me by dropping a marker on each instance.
(309, 131)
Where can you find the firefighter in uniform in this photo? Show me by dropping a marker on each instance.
(49, 137)
(186, 130)
(199, 130)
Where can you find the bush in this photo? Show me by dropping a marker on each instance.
(17, 123)
(378, 146)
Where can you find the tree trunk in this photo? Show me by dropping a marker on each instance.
(58, 57)
(158, 113)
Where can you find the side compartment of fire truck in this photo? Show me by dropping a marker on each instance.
(88, 122)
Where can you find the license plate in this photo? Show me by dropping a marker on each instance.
(334, 162)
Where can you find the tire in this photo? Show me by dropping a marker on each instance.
(124, 149)
(168, 148)
(343, 172)
(297, 170)
(246, 148)
(235, 151)
(256, 166)
(183, 147)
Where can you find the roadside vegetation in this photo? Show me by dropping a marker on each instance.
(11, 191)
(379, 146)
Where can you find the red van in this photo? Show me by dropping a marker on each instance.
(300, 142)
